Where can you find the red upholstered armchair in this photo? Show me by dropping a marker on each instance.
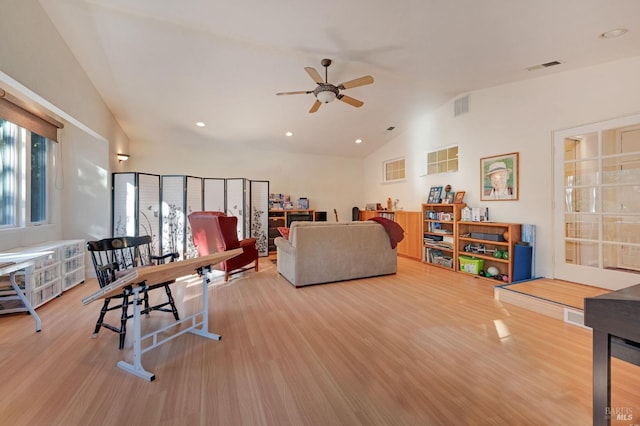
(213, 232)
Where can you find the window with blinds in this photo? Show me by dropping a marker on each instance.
(25, 163)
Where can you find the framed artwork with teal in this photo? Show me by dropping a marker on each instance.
(499, 177)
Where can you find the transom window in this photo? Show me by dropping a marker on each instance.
(394, 170)
(442, 161)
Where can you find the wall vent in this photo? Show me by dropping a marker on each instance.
(461, 106)
(574, 317)
(545, 65)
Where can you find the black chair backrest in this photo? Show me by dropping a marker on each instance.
(116, 254)
(355, 214)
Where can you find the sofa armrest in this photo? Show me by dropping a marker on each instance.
(284, 245)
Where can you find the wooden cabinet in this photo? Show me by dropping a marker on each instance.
(368, 214)
(439, 234)
(481, 240)
(411, 244)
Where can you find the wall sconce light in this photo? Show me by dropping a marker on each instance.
(122, 157)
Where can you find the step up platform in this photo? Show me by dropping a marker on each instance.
(558, 299)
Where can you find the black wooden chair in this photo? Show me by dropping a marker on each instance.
(112, 259)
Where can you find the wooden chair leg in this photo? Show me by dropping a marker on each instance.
(103, 311)
(174, 310)
(226, 276)
(256, 265)
(123, 321)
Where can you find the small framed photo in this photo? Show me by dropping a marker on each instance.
(499, 177)
(448, 197)
(434, 195)
(459, 197)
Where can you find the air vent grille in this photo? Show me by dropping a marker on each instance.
(461, 106)
(545, 65)
(574, 317)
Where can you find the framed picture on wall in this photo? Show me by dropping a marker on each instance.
(434, 195)
(499, 177)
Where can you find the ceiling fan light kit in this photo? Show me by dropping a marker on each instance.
(326, 92)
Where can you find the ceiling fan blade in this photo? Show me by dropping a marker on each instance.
(315, 106)
(315, 76)
(362, 81)
(351, 101)
(301, 92)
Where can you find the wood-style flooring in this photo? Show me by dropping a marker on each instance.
(423, 347)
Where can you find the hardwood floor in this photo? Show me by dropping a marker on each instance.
(422, 347)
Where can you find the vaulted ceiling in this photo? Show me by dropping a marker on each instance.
(163, 65)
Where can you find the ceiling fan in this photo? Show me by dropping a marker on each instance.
(326, 92)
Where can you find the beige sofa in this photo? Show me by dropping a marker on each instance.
(320, 252)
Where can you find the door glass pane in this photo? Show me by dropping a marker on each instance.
(621, 140)
(581, 199)
(621, 257)
(624, 229)
(581, 173)
(584, 226)
(622, 199)
(581, 253)
(581, 147)
(621, 169)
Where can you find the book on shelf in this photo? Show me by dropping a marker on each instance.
(443, 242)
(436, 215)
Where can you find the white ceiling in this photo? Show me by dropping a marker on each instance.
(163, 65)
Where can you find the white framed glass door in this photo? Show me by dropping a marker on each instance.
(597, 203)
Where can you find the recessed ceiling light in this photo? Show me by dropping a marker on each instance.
(614, 33)
(200, 124)
(289, 133)
(358, 140)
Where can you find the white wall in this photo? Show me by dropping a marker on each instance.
(37, 66)
(518, 117)
(329, 182)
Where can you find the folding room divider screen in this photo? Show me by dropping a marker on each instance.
(147, 204)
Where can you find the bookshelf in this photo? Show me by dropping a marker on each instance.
(283, 218)
(439, 232)
(481, 240)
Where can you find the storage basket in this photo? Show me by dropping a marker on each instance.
(471, 265)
